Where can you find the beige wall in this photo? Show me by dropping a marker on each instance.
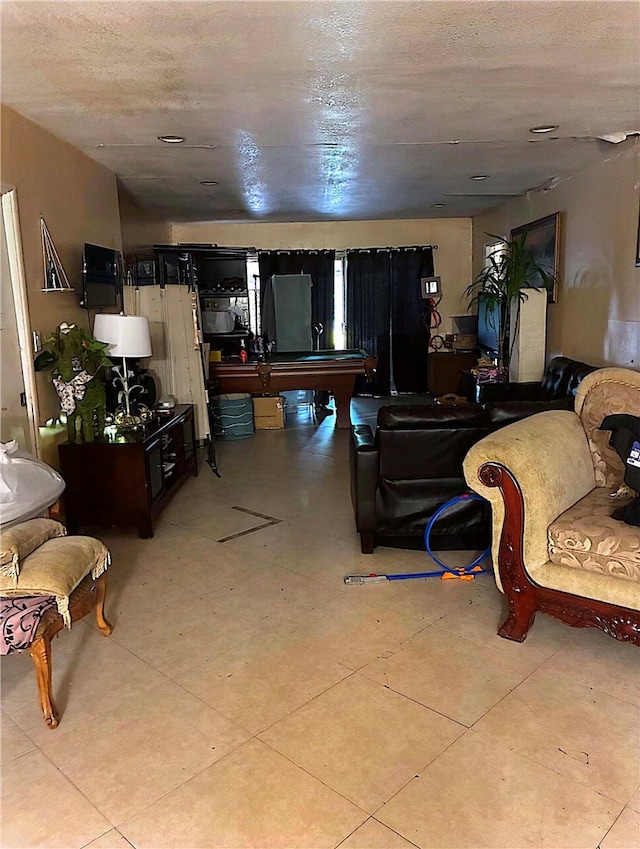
(597, 316)
(139, 230)
(451, 235)
(78, 200)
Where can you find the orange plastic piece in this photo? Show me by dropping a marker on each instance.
(460, 576)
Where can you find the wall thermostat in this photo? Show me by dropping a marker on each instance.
(430, 287)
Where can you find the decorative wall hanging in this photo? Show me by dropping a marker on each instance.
(55, 277)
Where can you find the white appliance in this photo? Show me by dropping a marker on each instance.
(218, 321)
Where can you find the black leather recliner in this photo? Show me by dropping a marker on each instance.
(412, 465)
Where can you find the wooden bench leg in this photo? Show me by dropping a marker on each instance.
(101, 591)
(40, 651)
(89, 595)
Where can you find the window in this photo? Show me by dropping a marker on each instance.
(340, 302)
(253, 285)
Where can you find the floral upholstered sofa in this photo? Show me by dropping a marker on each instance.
(550, 479)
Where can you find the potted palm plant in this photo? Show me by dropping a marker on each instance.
(503, 282)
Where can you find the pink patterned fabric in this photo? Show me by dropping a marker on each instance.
(19, 620)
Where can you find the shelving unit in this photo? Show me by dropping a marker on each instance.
(221, 299)
(219, 275)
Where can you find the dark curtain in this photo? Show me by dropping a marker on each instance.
(320, 265)
(386, 315)
(369, 311)
(409, 335)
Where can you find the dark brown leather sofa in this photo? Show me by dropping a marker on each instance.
(561, 380)
(412, 464)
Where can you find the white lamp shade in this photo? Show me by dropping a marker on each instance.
(127, 335)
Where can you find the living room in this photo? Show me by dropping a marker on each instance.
(247, 697)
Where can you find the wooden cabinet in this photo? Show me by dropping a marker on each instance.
(126, 478)
(445, 370)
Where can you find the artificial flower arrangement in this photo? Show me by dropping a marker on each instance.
(75, 358)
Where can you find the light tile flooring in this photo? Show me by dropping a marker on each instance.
(248, 698)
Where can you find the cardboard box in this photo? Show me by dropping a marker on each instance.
(269, 422)
(268, 412)
(464, 342)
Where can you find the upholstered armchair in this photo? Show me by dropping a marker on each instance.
(550, 480)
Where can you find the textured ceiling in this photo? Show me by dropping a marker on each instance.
(318, 110)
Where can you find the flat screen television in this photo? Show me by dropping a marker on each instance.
(488, 326)
(100, 277)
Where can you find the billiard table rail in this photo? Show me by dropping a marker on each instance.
(333, 371)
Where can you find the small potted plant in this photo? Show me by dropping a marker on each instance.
(511, 270)
(75, 358)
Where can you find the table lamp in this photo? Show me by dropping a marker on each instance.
(127, 336)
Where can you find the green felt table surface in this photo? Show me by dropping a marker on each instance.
(316, 356)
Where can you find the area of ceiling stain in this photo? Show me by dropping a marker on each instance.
(308, 110)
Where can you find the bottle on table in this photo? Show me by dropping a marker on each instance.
(243, 352)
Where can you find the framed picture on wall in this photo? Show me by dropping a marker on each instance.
(542, 238)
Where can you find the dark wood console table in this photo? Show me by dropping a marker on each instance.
(445, 370)
(126, 478)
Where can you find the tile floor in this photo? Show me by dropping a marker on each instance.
(248, 698)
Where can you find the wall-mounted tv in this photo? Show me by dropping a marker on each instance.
(488, 326)
(100, 277)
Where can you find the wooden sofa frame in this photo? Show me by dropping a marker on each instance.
(526, 598)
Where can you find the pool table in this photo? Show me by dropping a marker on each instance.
(334, 371)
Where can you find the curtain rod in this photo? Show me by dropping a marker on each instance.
(298, 251)
(398, 248)
(347, 250)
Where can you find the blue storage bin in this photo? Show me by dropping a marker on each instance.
(232, 415)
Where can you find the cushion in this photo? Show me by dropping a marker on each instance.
(21, 540)
(586, 537)
(604, 393)
(56, 568)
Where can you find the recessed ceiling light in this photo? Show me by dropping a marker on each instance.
(438, 205)
(479, 177)
(209, 183)
(545, 128)
(171, 139)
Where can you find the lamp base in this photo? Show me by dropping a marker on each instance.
(132, 421)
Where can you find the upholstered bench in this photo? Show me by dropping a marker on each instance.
(47, 581)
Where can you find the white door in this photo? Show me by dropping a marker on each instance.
(17, 414)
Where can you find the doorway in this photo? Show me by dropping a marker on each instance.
(18, 401)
